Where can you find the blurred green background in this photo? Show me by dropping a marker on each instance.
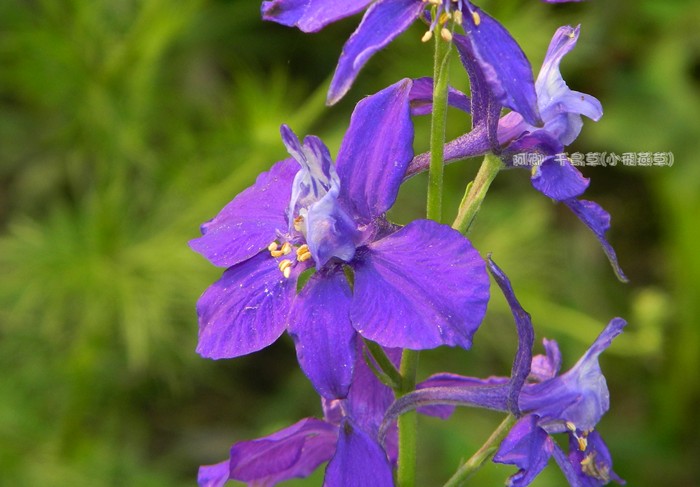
(124, 124)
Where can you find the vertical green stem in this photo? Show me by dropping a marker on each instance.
(476, 192)
(406, 475)
(484, 453)
(437, 128)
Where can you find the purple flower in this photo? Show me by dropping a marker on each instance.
(308, 214)
(513, 136)
(383, 21)
(346, 438)
(571, 403)
(548, 403)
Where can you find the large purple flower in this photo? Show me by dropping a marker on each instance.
(383, 21)
(547, 404)
(346, 437)
(371, 276)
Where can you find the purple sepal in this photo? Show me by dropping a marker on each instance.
(213, 475)
(292, 452)
(383, 21)
(310, 15)
(598, 220)
(250, 222)
(545, 367)
(580, 395)
(422, 97)
(244, 311)
(558, 179)
(397, 300)
(324, 338)
(565, 466)
(359, 461)
(528, 447)
(526, 337)
(376, 149)
(506, 70)
(446, 380)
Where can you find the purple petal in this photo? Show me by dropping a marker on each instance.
(368, 398)
(310, 15)
(503, 63)
(383, 22)
(422, 97)
(566, 467)
(244, 311)
(397, 300)
(526, 337)
(594, 465)
(320, 325)
(359, 461)
(292, 452)
(545, 367)
(598, 220)
(213, 475)
(528, 447)
(558, 179)
(250, 222)
(376, 150)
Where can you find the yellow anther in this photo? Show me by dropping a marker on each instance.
(298, 223)
(304, 257)
(459, 18)
(286, 267)
(302, 249)
(444, 17)
(571, 426)
(272, 247)
(435, 2)
(582, 443)
(286, 249)
(427, 36)
(476, 17)
(446, 34)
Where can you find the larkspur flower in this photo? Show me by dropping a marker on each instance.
(547, 403)
(560, 109)
(305, 212)
(346, 438)
(383, 21)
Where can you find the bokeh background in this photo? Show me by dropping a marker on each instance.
(124, 124)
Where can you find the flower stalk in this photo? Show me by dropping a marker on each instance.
(476, 192)
(484, 454)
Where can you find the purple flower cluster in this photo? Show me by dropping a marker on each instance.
(308, 249)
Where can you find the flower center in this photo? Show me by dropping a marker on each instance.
(443, 15)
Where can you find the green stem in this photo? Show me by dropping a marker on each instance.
(476, 192)
(406, 473)
(437, 128)
(484, 453)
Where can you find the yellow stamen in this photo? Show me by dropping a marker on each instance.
(286, 267)
(272, 247)
(427, 36)
(286, 248)
(298, 223)
(304, 257)
(276, 253)
(459, 18)
(582, 443)
(302, 249)
(476, 17)
(444, 17)
(446, 34)
(570, 426)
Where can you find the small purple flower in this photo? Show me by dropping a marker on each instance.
(512, 135)
(307, 213)
(548, 403)
(383, 21)
(346, 438)
(571, 403)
